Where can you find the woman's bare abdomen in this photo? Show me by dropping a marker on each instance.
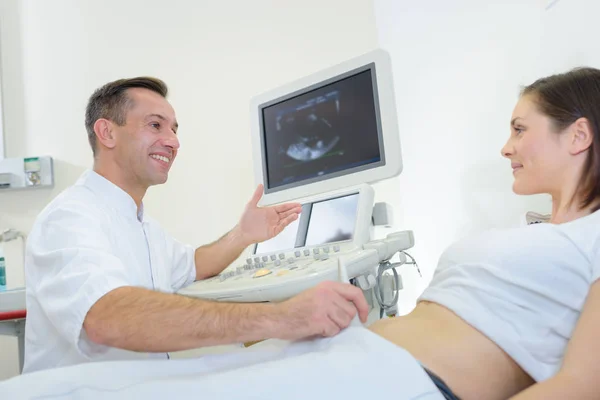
(473, 366)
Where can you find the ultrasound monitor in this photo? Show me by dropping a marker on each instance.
(327, 131)
(332, 221)
(332, 129)
(342, 217)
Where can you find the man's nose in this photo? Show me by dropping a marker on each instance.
(172, 141)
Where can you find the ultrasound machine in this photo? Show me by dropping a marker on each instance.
(320, 141)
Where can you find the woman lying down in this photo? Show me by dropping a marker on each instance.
(516, 313)
(509, 313)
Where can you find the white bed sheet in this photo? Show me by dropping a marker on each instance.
(356, 364)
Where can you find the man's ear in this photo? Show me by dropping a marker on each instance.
(105, 133)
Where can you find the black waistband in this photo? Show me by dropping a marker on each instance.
(441, 385)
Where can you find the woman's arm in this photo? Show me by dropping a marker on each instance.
(579, 376)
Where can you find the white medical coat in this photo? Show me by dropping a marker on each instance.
(87, 242)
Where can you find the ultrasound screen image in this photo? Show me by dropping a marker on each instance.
(332, 220)
(327, 130)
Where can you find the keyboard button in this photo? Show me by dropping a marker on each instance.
(226, 275)
(262, 272)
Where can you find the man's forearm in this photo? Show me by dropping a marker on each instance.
(213, 258)
(142, 320)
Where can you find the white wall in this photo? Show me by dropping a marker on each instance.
(214, 55)
(458, 68)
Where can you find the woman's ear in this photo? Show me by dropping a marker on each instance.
(105, 134)
(582, 136)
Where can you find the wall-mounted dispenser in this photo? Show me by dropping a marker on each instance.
(26, 173)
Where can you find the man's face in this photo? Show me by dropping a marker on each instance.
(147, 144)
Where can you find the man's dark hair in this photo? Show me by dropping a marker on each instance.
(112, 102)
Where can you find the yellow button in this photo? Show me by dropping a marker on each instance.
(262, 272)
(283, 272)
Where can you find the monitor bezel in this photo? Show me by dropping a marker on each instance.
(390, 164)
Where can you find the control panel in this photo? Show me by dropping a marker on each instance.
(280, 276)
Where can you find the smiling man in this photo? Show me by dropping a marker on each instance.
(101, 275)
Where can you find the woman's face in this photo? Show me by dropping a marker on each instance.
(539, 155)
